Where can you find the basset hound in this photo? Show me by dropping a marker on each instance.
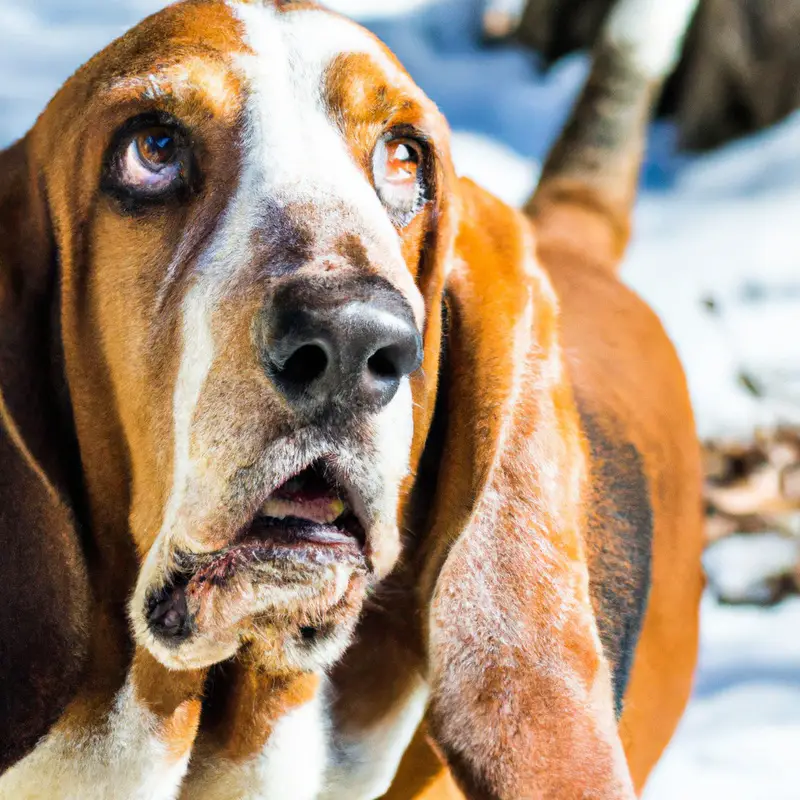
(324, 473)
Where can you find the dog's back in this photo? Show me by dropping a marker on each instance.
(644, 527)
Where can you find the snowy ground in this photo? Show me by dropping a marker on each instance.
(722, 228)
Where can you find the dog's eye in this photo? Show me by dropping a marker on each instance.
(156, 149)
(398, 170)
(152, 161)
(402, 162)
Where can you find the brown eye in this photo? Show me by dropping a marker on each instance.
(157, 148)
(152, 162)
(402, 161)
(398, 168)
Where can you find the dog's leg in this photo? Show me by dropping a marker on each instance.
(132, 744)
(266, 737)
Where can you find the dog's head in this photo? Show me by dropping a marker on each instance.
(251, 209)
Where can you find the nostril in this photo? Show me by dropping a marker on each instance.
(304, 366)
(384, 364)
(332, 356)
(168, 615)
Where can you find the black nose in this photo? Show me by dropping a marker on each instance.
(167, 614)
(325, 351)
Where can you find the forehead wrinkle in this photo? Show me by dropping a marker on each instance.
(365, 106)
(207, 78)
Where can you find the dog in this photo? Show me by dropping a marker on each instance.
(323, 472)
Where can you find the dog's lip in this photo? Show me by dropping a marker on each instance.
(295, 533)
(293, 540)
(319, 522)
(321, 528)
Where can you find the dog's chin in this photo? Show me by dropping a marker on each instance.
(294, 620)
(289, 584)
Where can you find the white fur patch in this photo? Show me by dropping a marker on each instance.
(196, 360)
(393, 433)
(291, 766)
(126, 761)
(294, 150)
(369, 763)
(651, 32)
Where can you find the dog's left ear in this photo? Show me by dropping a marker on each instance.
(43, 583)
(521, 702)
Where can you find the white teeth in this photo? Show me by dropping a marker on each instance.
(323, 511)
(277, 509)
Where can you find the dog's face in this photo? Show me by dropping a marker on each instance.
(252, 237)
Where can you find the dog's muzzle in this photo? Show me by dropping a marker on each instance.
(320, 522)
(303, 530)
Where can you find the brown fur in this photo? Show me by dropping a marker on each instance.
(53, 309)
(44, 593)
(610, 339)
(241, 722)
(495, 600)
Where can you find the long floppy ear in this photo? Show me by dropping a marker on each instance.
(43, 583)
(521, 702)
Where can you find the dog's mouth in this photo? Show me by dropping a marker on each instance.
(307, 524)
(310, 508)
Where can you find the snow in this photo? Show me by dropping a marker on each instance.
(738, 740)
(722, 227)
(751, 567)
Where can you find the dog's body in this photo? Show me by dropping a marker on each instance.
(244, 297)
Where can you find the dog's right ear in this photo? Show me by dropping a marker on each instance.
(43, 583)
